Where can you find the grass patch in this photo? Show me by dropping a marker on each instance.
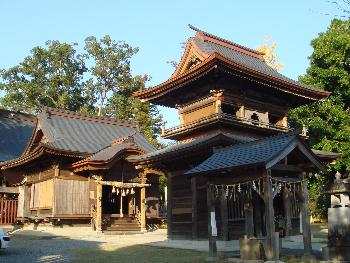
(139, 254)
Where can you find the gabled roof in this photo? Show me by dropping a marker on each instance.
(180, 149)
(205, 48)
(266, 152)
(73, 134)
(15, 131)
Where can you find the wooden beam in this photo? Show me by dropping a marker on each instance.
(98, 207)
(143, 207)
(287, 168)
(211, 213)
(224, 215)
(269, 214)
(194, 208)
(169, 206)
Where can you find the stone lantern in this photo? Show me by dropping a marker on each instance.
(338, 248)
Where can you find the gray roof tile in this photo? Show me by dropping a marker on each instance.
(76, 133)
(256, 152)
(15, 132)
(176, 148)
(244, 60)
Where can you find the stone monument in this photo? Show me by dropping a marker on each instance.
(338, 248)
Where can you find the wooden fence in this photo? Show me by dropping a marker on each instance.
(8, 211)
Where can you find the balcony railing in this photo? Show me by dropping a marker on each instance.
(224, 117)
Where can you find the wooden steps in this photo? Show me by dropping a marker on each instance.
(124, 225)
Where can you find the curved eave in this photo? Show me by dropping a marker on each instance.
(215, 60)
(84, 165)
(40, 151)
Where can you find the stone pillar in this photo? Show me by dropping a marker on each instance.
(306, 220)
(249, 220)
(287, 210)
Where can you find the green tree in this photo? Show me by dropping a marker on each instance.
(122, 105)
(110, 66)
(50, 76)
(328, 120)
(330, 61)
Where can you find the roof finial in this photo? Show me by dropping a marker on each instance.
(193, 28)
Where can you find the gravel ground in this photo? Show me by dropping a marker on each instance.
(56, 245)
(25, 249)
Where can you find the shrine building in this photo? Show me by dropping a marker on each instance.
(236, 155)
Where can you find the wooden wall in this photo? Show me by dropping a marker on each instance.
(72, 197)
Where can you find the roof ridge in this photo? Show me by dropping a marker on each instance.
(232, 44)
(87, 117)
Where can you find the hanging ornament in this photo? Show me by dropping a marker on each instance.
(226, 192)
(239, 188)
(123, 192)
(117, 191)
(132, 191)
(127, 191)
(113, 189)
(254, 186)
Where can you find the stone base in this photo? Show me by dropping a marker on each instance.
(238, 260)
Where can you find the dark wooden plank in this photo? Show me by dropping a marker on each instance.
(169, 206)
(194, 208)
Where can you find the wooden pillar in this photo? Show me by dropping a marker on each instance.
(143, 207)
(249, 220)
(269, 215)
(211, 228)
(287, 210)
(98, 207)
(169, 207)
(306, 220)
(224, 216)
(194, 208)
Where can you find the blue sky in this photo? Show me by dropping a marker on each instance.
(159, 27)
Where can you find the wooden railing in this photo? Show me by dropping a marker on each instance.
(227, 117)
(8, 211)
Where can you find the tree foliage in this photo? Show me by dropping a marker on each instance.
(122, 105)
(98, 80)
(328, 121)
(50, 76)
(330, 61)
(111, 66)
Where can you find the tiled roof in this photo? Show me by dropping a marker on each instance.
(109, 152)
(15, 132)
(69, 131)
(179, 147)
(244, 59)
(252, 153)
